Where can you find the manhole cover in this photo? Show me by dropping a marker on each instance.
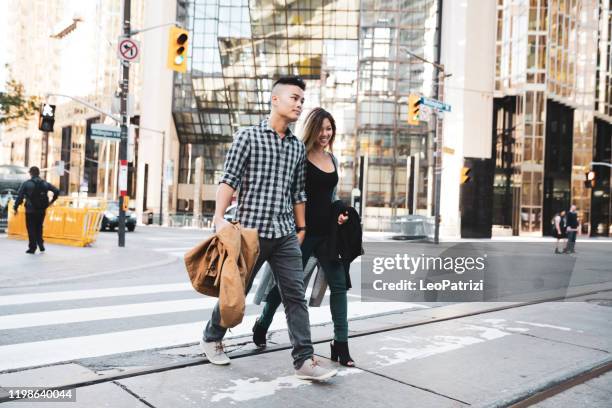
(601, 302)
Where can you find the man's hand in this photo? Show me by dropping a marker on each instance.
(342, 218)
(219, 222)
(300, 236)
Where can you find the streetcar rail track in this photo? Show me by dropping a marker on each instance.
(544, 393)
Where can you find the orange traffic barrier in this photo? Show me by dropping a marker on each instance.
(70, 221)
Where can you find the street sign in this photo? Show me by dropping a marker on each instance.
(169, 172)
(123, 178)
(128, 49)
(100, 131)
(436, 104)
(131, 143)
(60, 167)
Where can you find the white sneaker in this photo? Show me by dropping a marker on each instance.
(213, 351)
(311, 370)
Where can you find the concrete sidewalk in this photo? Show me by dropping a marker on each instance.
(482, 360)
(62, 263)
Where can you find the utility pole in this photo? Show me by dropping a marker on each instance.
(438, 142)
(125, 88)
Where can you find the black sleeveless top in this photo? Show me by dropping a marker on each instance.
(319, 190)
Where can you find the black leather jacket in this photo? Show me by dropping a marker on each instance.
(26, 190)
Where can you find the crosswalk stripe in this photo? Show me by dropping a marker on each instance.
(90, 314)
(19, 321)
(172, 249)
(27, 298)
(64, 349)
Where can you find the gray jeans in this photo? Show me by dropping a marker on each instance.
(285, 258)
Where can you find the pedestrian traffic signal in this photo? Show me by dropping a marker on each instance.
(46, 117)
(589, 181)
(177, 49)
(465, 174)
(414, 109)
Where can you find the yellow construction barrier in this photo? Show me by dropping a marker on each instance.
(70, 221)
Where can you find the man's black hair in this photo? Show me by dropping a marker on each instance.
(290, 80)
(34, 171)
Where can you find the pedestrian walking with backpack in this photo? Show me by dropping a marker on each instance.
(36, 193)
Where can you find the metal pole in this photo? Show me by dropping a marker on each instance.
(125, 88)
(438, 142)
(161, 187)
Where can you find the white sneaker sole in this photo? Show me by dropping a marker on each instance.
(225, 361)
(324, 377)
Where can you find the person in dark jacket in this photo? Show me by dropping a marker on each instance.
(321, 183)
(36, 193)
(559, 229)
(572, 230)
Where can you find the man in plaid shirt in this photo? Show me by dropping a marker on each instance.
(266, 165)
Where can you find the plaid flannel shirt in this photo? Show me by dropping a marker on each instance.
(269, 174)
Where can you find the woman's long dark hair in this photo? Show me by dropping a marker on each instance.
(313, 126)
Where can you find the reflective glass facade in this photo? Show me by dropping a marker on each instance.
(552, 62)
(351, 55)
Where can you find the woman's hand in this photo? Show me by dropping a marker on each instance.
(342, 218)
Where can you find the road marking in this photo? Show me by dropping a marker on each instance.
(90, 314)
(173, 249)
(72, 348)
(27, 298)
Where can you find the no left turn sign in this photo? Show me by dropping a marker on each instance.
(128, 49)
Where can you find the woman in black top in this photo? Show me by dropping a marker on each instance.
(321, 183)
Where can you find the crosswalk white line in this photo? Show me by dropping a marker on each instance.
(173, 249)
(90, 314)
(122, 311)
(64, 349)
(27, 298)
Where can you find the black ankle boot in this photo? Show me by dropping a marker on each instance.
(259, 334)
(340, 351)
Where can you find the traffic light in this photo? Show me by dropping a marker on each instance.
(177, 49)
(46, 117)
(414, 109)
(589, 180)
(465, 174)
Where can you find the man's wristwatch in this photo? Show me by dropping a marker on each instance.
(300, 229)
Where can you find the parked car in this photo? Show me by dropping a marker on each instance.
(110, 221)
(12, 176)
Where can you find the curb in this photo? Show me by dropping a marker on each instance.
(548, 384)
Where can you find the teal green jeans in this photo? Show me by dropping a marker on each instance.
(334, 274)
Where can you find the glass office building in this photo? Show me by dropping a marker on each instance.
(352, 55)
(551, 113)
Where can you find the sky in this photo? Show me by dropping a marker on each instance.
(3, 22)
